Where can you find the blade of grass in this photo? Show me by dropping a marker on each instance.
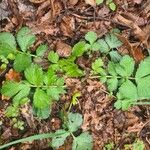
(30, 138)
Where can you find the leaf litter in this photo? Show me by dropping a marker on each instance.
(62, 24)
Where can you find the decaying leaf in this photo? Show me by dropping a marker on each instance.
(63, 49)
(13, 75)
(37, 1)
(91, 2)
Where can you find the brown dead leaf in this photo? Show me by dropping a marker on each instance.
(67, 26)
(141, 34)
(13, 75)
(63, 49)
(138, 1)
(134, 48)
(73, 2)
(91, 2)
(37, 1)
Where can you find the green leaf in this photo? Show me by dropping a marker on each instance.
(12, 111)
(142, 77)
(78, 49)
(7, 43)
(143, 69)
(22, 61)
(96, 46)
(8, 38)
(83, 142)
(96, 66)
(34, 75)
(16, 90)
(112, 41)
(97, 63)
(123, 104)
(112, 6)
(54, 92)
(91, 37)
(98, 2)
(115, 56)
(41, 50)
(53, 57)
(126, 66)
(112, 84)
(138, 145)
(10, 88)
(42, 113)
(25, 38)
(60, 139)
(74, 121)
(40, 99)
(112, 68)
(143, 87)
(127, 95)
(128, 91)
(50, 77)
(103, 46)
(70, 68)
(23, 93)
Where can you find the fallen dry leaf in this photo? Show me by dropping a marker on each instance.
(63, 49)
(137, 1)
(73, 2)
(67, 26)
(37, 1)
(91, 2)
(13, 75)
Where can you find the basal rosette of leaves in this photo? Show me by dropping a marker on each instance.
(129, 85)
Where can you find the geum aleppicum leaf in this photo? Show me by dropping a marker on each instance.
(91, 37)
(83, 142)
(78, 49)
(112, 83)
(70, 68)
(74, 121)
(34, 75)
(40, 99)
(60, 138)
(142, 77)
(112, 41)
(125, 68)
(103, 46)
(22, 61)
(97, 66)
(25, 38)
(41, 50)
(16, 90)
(7, 43)
(53, 57)
(126, 96)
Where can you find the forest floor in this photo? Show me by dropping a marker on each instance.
(61, 24)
